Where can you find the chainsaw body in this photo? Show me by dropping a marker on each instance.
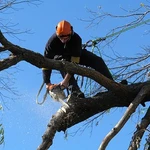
(57, 93)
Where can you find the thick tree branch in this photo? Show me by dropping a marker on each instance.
(51, 130)
(2, 49)
(8, 62)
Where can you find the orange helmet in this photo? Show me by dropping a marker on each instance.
(63, 28)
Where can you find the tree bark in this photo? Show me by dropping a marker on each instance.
(82, 109)
(138, 134)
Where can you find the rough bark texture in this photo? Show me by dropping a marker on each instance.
(82, 109)
(138, 134)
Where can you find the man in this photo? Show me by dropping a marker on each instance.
(67, 44)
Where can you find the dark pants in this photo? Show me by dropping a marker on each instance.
(89, 59)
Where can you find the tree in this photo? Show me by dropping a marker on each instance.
(117, 95)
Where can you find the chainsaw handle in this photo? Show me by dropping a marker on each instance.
(45, 95)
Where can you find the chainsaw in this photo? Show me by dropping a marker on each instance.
(57, 94)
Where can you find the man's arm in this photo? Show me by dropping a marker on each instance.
(46, 77)
(48, 53)
(67, 77)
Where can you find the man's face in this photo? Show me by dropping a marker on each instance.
(64, 38)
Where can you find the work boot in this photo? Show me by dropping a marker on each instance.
(77, 92)
(125, 82)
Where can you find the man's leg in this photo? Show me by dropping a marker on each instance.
(73, 86)
(91, 60)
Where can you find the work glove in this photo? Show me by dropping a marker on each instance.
(51, 86)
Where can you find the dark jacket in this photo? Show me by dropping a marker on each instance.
(54, 46)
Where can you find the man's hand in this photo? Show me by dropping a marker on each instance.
(65, 82)
(50, 86)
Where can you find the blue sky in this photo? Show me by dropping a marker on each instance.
(24, 121)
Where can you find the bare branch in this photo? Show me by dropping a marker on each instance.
(9, 4)
(7, 7)
(138, 134)
(131, 109)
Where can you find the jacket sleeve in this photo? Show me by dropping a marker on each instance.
(47, 72)
(46, 75)
(77, 48)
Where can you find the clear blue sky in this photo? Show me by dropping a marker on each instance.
(24, 121)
